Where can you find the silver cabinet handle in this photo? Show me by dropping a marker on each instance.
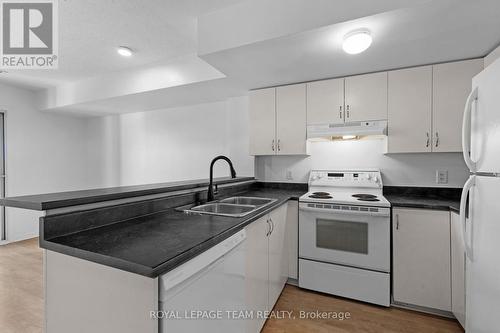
(340, 112)
(437, 139)
(268, 231)
(272, 226)
(347, 109)
(428, 140)
(272, 145)
(279, 145)
(397, 221)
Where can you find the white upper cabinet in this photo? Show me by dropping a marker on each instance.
(409, 111)
(423, 107)
(426, 106)
(278, 119)
(325, 102)
(263, 122)
(291, 118)
(366, 97)
(451, 86)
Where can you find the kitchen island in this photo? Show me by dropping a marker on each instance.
(104, 259)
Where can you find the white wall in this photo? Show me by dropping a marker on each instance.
(44, 153)
(397, 169)
(51, 153)
(174, 144)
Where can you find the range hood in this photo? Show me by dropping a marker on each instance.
(361, 128)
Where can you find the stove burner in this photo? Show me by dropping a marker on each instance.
(364, 196)
(321, 195)
(368, 199)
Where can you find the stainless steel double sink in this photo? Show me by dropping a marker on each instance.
(233, 207)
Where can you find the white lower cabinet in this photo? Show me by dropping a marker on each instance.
(257, 271)
(278, 254)
(457, 270)
(266, 259)
(421, 258)
(292, 234)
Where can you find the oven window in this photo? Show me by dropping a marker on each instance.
(342, 235)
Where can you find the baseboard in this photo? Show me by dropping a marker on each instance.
(423, 309)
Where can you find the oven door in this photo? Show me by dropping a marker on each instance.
(345, 235)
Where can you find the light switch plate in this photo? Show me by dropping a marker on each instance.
(442, 176)
(289, 175)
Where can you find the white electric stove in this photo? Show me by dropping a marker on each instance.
(344, 235)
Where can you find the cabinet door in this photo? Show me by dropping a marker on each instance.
(262, 116)
(291, 119)
(457, 270)
(256, 272)
(366, 97)
(421, 258)
(278, 254)
(451, 85)
(325, 102)
(409, 115)
(292, 226)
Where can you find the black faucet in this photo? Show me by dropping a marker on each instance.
(210, 194)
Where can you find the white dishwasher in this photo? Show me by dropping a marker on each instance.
(196, 296)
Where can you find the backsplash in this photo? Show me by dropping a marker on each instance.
(397, 169)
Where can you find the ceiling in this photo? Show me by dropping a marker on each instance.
(431, 32)
(90, 31)
(237, 45)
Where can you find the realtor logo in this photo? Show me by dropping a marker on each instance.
(29, 34)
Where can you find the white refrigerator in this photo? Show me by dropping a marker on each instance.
(481, 217)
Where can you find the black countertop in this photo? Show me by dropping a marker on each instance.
(154, 244)
(74, 198)
(424, 197)
(420, 202)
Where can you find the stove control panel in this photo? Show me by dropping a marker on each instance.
(370, 178)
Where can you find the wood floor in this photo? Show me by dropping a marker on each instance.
(21, 292)
(21, 304)
(365, 318)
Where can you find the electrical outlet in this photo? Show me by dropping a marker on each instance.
(442, 176)
(289, 175)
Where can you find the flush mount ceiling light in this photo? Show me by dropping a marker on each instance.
(124, 51)
(357, 41)
(349, 137)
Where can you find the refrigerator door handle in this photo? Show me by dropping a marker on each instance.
(463, 204)
(466, 130)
